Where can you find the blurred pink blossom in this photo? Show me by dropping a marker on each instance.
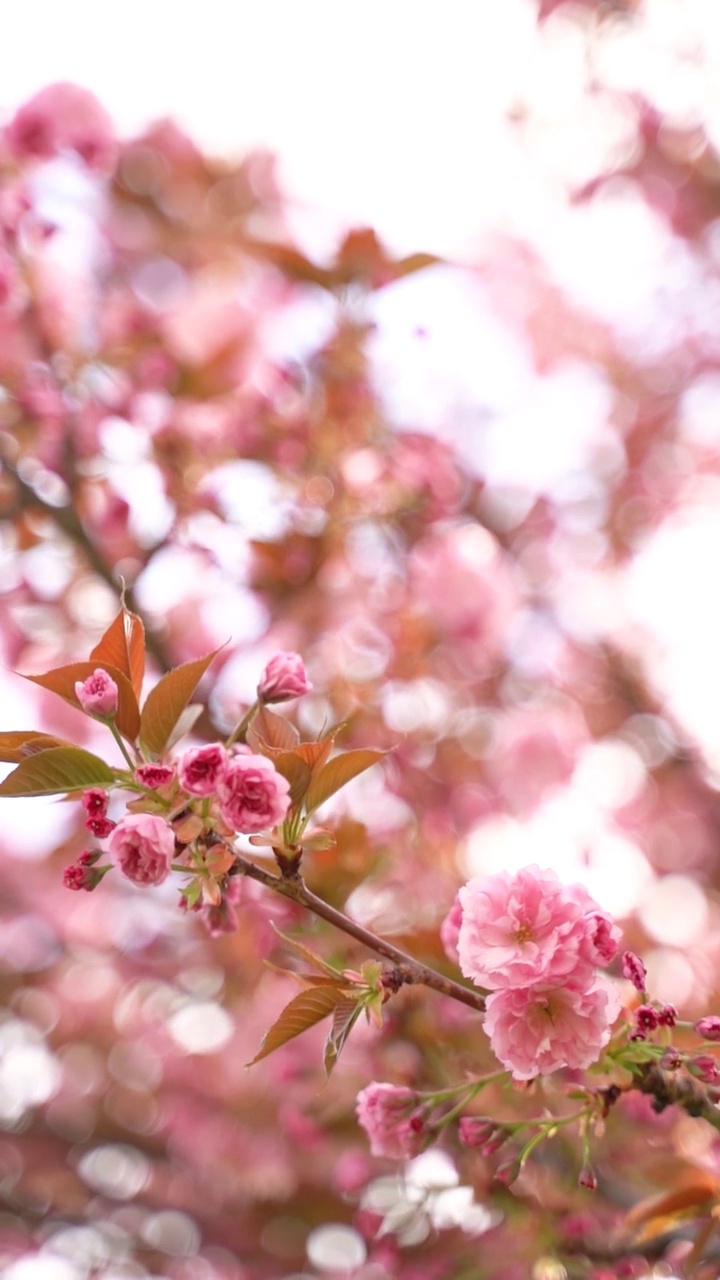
(387, 1113)
(142, 846)
(450, 930)
(63, 117)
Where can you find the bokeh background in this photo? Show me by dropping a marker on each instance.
(390, 336)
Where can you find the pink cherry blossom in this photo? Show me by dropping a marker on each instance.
(390, 1117)
(154, 776)
(63, 117)
(98, 695)
(528, 928)
(284, 677)
(142, 846)
(252, 794)
(537, 1030)
(201, 769)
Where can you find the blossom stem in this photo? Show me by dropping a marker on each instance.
(116, 735)
(240, 731)
(407, 971)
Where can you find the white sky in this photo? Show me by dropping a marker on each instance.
(387, 112)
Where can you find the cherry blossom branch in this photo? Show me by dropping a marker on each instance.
(406, 970)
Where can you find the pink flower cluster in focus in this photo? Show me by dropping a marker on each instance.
(537, 945)
(394, 1123)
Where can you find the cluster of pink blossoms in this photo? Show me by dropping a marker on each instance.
(538, 945)
(229, 790)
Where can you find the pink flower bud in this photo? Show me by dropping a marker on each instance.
(100, 827)
(709, 1027)
(201, 769)
(98, 695)
(284, 677)
(474, 1131)
(706, 1068)
(142, 846)
(646, 1018)
(82, 876)
(508, 1172)
(154, 776)
(587, 1177)
(667, 1015)
(95, 802)
(634, 970)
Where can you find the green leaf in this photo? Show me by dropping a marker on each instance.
(165, 703)
(18, 744)
(58, 770)
(338, 772)
(271, 730)
(299, 1015)
(345, 1015)
(62, 681)
(123, 645)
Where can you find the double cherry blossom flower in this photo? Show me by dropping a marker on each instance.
(538, 946)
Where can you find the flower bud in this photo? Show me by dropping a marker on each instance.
(705, 1068)
(284, 677)
(634, 970)
(475, 1131)
(507, 1173)
(709, 1027)
(98, 695)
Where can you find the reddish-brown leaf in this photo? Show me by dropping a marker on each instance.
(337, 772)
(296, 771)
(655, 1215)
(345, 1015)
(271, 730)
(123, 645)
(315, 753)
(62, 681)
(18, 744)
(299, 1015)
(165, 703)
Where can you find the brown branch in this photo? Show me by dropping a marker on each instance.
(407, 970)
(68, 522)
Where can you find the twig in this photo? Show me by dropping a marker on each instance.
(407, 970)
